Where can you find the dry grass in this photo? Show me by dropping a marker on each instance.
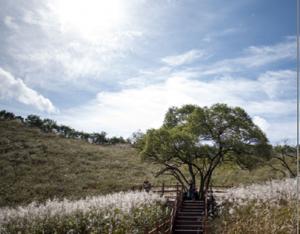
(259, 208)
(131, 212)
(35, 166)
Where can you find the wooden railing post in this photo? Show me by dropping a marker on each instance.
(205, 212)
(166, 225)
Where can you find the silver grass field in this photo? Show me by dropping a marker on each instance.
(124, 212)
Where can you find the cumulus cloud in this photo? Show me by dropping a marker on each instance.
(261, 122)
(14, 88)
(144, 107)
(54, 58)
(185, 58)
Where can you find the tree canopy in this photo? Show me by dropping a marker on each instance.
(194, 140)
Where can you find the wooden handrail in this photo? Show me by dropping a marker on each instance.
(167, 224)
(207, 194)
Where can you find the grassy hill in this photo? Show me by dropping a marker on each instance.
(37, 166)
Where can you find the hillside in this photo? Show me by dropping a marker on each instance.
(36, 166)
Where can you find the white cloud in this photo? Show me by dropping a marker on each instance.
(279, 84)
(217, 34)
(13, 88)
(261, 122)
(185, 58)
(10, 22)
(261, 55)
(42, 46)
(144, 107)
(62, 58)
(253, 57)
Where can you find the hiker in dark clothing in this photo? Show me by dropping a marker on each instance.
(192, 191)
(147, 186)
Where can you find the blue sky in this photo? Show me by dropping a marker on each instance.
(118, 65)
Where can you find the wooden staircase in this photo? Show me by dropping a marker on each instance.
(190, 218)
(187, 216)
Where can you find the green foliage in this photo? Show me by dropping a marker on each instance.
(49, 125)
(34, 121)
(137, 140)
(286, 156)
(201, 139)
(99, 138)
(4, 115)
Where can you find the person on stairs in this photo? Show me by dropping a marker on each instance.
(147, 186)
(192, 191)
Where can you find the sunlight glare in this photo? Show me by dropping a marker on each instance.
(90, 17)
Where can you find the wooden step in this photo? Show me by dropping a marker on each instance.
(189, 218)
(192, 209)
(184, 231)
(193, 202)
(193, 205)
(189, 222)
(190, 213)
(188, 227)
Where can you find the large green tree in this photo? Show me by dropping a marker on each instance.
(194, 141)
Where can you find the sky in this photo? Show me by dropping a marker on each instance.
(117, 66)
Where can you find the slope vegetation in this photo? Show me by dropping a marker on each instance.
(35, 166)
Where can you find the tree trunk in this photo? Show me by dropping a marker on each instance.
(201, 188)
(204, 184)
(193, 177)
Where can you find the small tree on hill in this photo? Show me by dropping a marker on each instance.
(66, 131)
(6, 115)
(194, 141)
(99, 138)
(34, 121)
(287, 157)
(49, 125)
